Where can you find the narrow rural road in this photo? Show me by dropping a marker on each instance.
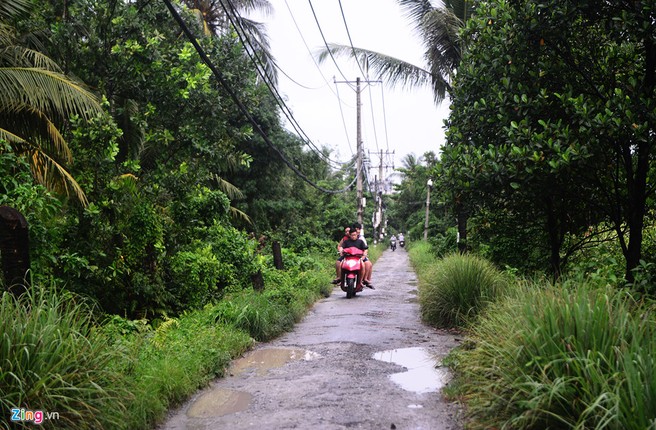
(366, 363)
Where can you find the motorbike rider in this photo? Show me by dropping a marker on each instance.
(353, 241)
(393, 242)
(338, 263)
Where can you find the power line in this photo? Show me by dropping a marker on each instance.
(325, 42)
(308, 48)
(373, 118)
(382, 96)
(222, 81)
(348, 33)
(267, 81)
(341, 112)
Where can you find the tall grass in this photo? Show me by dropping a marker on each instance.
(126, 374)
(453, 290)
(167, 365)
(52, 360)
(545, 357)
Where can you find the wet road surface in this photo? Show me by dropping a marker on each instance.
(365, 363)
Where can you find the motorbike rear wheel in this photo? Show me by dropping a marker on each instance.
(350, 287)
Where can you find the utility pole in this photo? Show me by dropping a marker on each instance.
(358, 173)
(360, 150)
(429, 185)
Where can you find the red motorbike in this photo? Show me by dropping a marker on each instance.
(351, 266)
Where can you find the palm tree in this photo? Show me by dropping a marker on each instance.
(438, 28)
(36, 98)
(220, 16)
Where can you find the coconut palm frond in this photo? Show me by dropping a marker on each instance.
(35, 127)
(12, 8)
(133, 135)
(463, 9)
(51, 92)
(237, 214)
(257, 40)
(392, 70)
(200, 18)
(248, 6)
(18, 56)
(55, 177)
(415, 10)
(227, 188)
(11, 137)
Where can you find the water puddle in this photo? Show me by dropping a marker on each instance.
(262, 360)
(421, 375)
(219, 402)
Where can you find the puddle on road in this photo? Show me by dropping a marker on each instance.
(219, 402)
(263, 360)
(422, 376)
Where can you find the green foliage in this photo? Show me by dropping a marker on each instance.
(444, 244)
(53, 360)
(196, 275)
(38, 206)
(544, 129)
(167, 365)
(560, 357)
(455, 289)
(267, 314)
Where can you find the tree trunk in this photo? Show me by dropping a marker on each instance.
(555, 240)
(277, 256)
(14, 248)
(636, 212)
(462, 216)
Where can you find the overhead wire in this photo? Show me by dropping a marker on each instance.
(348, 33)
(250, 51)
(222, 81)
(298, 29)
(341, 112)
(373, 118)
(382, 96)
(325, 42)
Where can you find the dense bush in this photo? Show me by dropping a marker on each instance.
(561, 357)
(126, 374)
(52, 360)
(454, 290)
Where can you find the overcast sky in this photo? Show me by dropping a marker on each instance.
(400, 120)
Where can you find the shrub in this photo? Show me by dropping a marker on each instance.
(196, 276)
(452, 291)
(561, 358)
(53, 361)
(167, 365)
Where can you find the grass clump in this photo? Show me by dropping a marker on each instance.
(555, 357)
(167, 364)
(454, 290)
(52, 360)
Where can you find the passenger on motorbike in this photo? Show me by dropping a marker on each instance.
(368, 265)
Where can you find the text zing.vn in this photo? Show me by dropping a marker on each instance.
(36, 417)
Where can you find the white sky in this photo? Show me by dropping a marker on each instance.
(401, 120)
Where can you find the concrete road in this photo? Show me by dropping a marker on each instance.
(364, 363)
